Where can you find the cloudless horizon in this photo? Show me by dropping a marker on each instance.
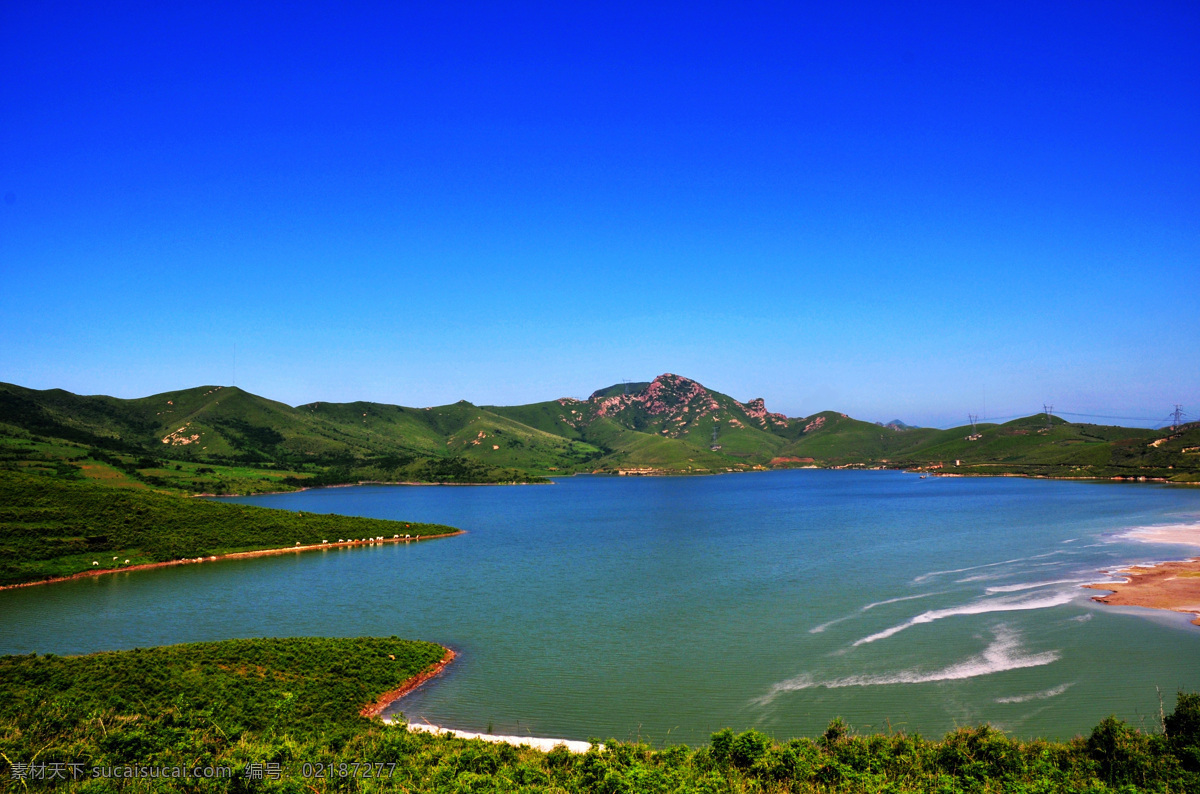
(893, 212)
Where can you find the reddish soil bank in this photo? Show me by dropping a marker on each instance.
(231, 556)
(392, 695)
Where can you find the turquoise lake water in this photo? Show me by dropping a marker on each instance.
(668, 608)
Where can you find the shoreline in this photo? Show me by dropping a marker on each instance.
(352, 485)
(1128, 478)
(1173, 586)
(381, 704)
(377, 706)
(233, 555)
(543, 743)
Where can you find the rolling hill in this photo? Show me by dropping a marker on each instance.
(224, 439)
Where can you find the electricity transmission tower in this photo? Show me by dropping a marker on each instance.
(1177, 416)
(1048, 409)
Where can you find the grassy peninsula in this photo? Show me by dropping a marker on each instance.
(53, 527)
(291, 702)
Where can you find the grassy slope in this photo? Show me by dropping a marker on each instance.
(71, 460)
(372, 424)
(840, 439)
(296, 701)
(229, 421)
(491, 437)
(53, 527)
(748, 443)
(549, 417)
(631, 448)
(1026, 446)
(229, 434)
(615, 444)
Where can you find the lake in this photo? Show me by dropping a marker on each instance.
(668, 608)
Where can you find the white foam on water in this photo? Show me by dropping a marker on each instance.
(1084, 618)
(827, 624)
(980, 607)
(983, 577)
(932, 574)
(1003, 653)
(1019, 569)
(1013, 588)
(1043, 695)
(872, 605)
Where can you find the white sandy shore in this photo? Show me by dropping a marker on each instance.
(1182, 534)
(543, 744)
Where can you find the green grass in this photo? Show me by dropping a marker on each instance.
(835, 439)
(51, 527)
(296, 701)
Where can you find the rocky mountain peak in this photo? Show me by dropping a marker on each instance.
(674, 403)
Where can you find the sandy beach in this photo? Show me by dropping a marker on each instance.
(1178, 534)
(1169, 585)
(539, 743)
(387, 698)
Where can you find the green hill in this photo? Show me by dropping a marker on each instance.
(620, 388)
(223, 439)
(214, 439)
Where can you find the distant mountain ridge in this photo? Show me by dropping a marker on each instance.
(669, 424)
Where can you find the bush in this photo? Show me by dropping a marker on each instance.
(836, 732)
(983, 753)
(748, 748)
(1183, 730)
(1120, 751)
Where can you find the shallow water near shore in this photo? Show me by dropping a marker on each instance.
(667, 608)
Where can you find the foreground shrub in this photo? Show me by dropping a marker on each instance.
(291, 702)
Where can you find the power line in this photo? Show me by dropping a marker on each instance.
(1001, 418)
(1100, 416)
(1046, 409)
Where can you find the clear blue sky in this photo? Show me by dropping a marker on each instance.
(892, 211)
